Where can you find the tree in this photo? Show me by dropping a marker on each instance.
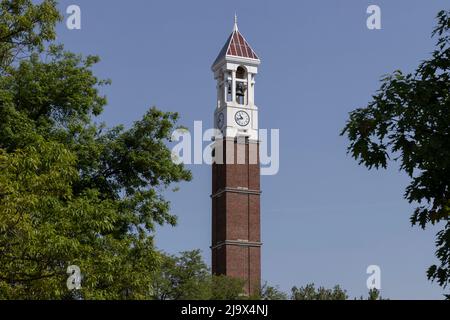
(24, 28)
(374, 294)
(227, 288)
(309, 292)
(73, 192)
(187, 277)
(272, 293)
(184, 277)
(408, 120)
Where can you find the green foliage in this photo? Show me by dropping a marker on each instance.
(73, 192)
(227, 288)
(272, 293)
(309, 292)
(24, 28)
(44, 228)
(374, 294)
(409, 120)
(187, 277)
(184, 277)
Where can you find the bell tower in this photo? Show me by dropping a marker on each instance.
(236, 240)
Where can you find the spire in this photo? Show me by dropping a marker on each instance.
(235, 28)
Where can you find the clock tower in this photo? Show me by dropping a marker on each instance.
(236, 239)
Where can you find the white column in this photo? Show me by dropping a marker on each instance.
(219, 98)
(233, 89)
(225, 87)
(250, 97)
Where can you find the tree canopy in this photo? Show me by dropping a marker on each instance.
(310, 292)
(408, 120)
(25, 27)
(187, 277)
(73, 192)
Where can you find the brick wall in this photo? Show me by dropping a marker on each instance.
(236, 236)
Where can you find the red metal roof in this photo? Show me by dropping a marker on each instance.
(236, 46)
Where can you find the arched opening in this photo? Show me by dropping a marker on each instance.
(241, 72)
(241, 85)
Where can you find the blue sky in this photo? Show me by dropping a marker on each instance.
(324, 218)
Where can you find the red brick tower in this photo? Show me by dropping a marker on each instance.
(236, 240)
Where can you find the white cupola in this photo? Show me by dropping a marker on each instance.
(235, 69)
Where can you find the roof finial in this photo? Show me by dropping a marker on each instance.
(235, 22)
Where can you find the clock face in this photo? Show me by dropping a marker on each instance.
(220, 120)
(242, 118)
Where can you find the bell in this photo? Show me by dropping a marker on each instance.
(240, 88)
